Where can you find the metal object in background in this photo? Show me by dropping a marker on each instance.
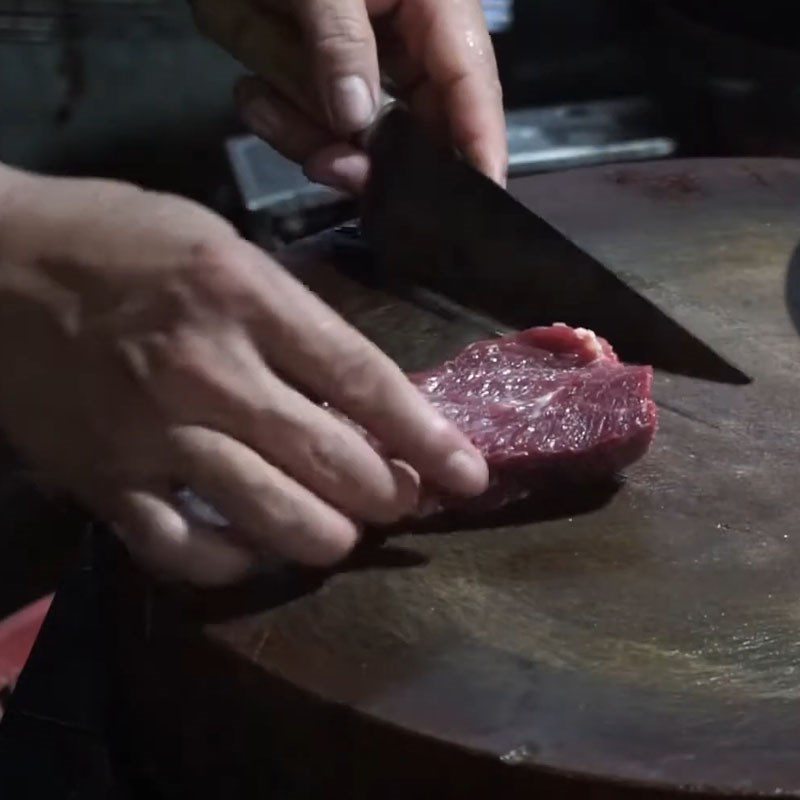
(582, 134)
(284, 205)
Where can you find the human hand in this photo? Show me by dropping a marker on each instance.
(145, 346)
(319, 65)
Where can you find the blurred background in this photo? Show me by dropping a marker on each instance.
(128, 89)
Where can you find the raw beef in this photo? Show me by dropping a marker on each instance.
(547, 402)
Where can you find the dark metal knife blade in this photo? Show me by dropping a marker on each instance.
(432, 220)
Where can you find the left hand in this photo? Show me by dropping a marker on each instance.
(320, 64)
(144, 347)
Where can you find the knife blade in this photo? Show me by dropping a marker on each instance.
(432, 220)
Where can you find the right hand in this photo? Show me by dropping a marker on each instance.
(319, 65)
(144, 344)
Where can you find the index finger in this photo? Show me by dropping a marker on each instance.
(450, 44)
(312, 346)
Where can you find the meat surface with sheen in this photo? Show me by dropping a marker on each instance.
(547, 402)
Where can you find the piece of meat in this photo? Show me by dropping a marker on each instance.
(547, 398)
(544, 403)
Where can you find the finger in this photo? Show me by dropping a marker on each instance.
(315, 348)
(272, 510)
(221, 382)
(345, 61)
(278, 121)
(425, 102)
(335, 462)
(297, 137)
(449, 44)
(478, 126)
(407, 80)
(322, 453)
(330, 458)
(340, 166)
(161, 538)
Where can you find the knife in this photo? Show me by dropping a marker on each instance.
(432, 220)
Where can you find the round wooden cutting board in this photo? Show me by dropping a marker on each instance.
(634, 640)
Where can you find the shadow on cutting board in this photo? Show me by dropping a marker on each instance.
(286, 583)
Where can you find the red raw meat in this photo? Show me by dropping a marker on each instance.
(547, 402)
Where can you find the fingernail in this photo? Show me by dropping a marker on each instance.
(465, 473)
(352, 107)
(346, 172)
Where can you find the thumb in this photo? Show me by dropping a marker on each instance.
(345, 61)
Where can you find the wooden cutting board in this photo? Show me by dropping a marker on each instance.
(635, 640)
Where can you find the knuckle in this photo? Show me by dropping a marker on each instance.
(325, 455)
(153, 355)
(360, 380)
(343, 33)
(209, 258)
(175, 352)
(217, 275)
(141, 358)
(265, 420)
